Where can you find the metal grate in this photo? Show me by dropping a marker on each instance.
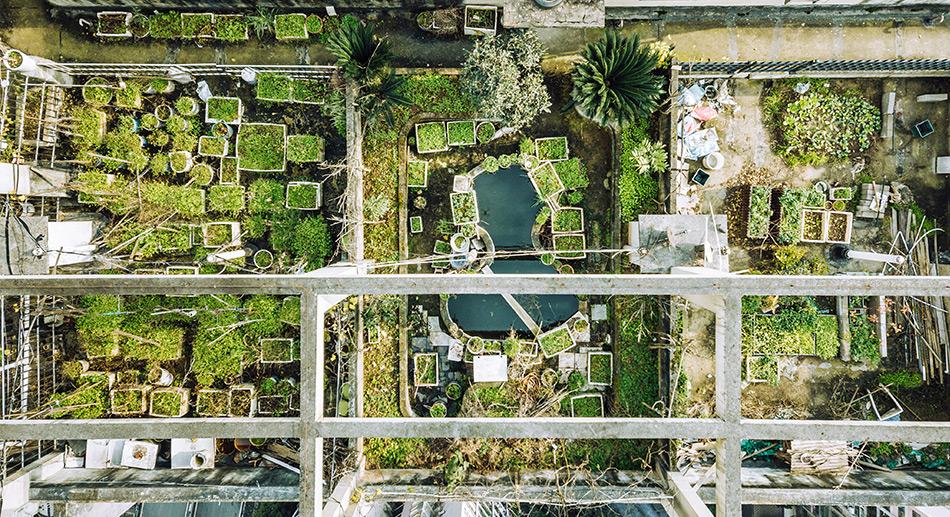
(863, 67)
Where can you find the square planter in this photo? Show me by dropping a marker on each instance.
(480, 20)
(839, 227)
(223, 109)
(431, 137)
(460, 132)
(425, 369)
(464, 207)
(600, 368)
(128, 400)
(555, 341)
(113, 24)
(841, 194)
(216, 235)
(274, 87)
(169, 402)
(216, 146)
(568, 220)
(273, 405)
(209, 402)
(415, 224)
(230, 27)
(277, 350)
(417, 174)
(310, 91)
(565, 244)
(197, 25)
(587, 406)
(303, 195)
(461, 183)
(242, 400)
(546, 182)
(261, 147)
(814, 225)
(551, 149)
(290, 27)
(181, 270)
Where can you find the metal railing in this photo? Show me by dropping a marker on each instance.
(818, 68)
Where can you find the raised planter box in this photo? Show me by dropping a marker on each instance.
(242, 400)
(417, 174)
(113, 24)
(262, 147)
(169, 402)
(228, 235)
(274, 87)
(546, 182)
(460, 132)
(181, 270)
(228, 172)
(480, 20)
(565, 244)
(551, 149)
(425, 369)
(197, 25)
(431, 137)
(303, 195)
(839, 227)
(277, 350)
(760, 212)
(227, 110)
(230, 27)
(289, 27)
(464, 207)
(210, 402)
(216, 146)
(600, 368)
(555, 341)
(587, 406)
(814, 226)
(415, 224)
(841, 194)
(128, 400)
(760, 369)
(568, 220)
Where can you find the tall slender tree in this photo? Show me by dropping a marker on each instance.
(616, 83)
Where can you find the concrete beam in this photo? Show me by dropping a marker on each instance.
(686, 502)
(729, 359)
(904, 431)
(312, 315)
(728, 477)
(154, 428)
(553, 494)
(167, 485)
(66, 285)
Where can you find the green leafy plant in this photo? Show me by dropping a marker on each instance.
(290, 26)
(546, 181)
(305, 148)
(309, 91)
(89, 399)
(128, 401)
(568, 221)
(260, 147)
(165, 25)
(415, 224)
(600, 368)
(212, 146)
(760, 212)
(361, 55)
(551, 148)
(461, 132)
(425, 369)
(615, 82)
(569, 246)
(490, 164)
(431, 137)
(194, 25)
(486, 130)
(274, 87)
(97, 91)
(226, 109)
(303, 196)
(453, 391)
(792, 201)
(168, 402)
(587, 406)
(464, 207)
(130, 96)
(901, 379)
(289, 311)
(314, 24)
(265, 196)
(230, 27)
(226, 199)
(573, 174)
(417, 173)
(638, 187)
(437, 410)
(555, 341)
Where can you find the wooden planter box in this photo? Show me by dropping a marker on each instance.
(845, 236)
(814, 215)
(236, 395)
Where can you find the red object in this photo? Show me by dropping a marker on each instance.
(703, 113)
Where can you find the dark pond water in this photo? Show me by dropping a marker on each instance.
(492, 314)
(507, 206)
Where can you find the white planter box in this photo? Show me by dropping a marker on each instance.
(610, 356)
(580, 397)
(184, 394)
(316, 202)
(488, 10)
(234, 121)
(415, 369)
(235, 234)
(567, 209)
(118, 14)
(279, 342)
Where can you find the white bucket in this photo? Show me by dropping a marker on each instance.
(714, 161)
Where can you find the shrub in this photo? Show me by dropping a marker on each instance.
(573, 174)
(88, 127)
(274, 87)
(226, 199)
(312, 242)
(615, 83)
(304, 148)
(261, 147)
(551, 148)
(361, 55)
(503, 75)
(263, 316)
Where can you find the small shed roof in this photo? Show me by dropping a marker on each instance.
(490, 368)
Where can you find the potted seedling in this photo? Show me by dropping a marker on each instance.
(169, 402)
(216, 235)
(431, 137)
(277, 350)
(187, 106)
(180, 161)
(303, 195)
(242, 400)
(263, 259)
(228, 172)
(150, 122)
(163, 112)
(139, 25)
(425, 369)
(160, 85)
(549, 378)
(202, 174)
(113, 24)
(438, 410)
(453, 391)
(211, 402)
(159, 376)
(475, 345)
(600, 367)
(314, 25)
(97, 91)
(841, 194)
(128, 400)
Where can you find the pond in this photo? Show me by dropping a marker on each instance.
(492, 314)
(507, 206)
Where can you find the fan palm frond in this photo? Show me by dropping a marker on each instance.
(359, 52)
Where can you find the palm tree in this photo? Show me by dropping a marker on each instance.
(615, 82)
(360, 54)
(377, 100)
